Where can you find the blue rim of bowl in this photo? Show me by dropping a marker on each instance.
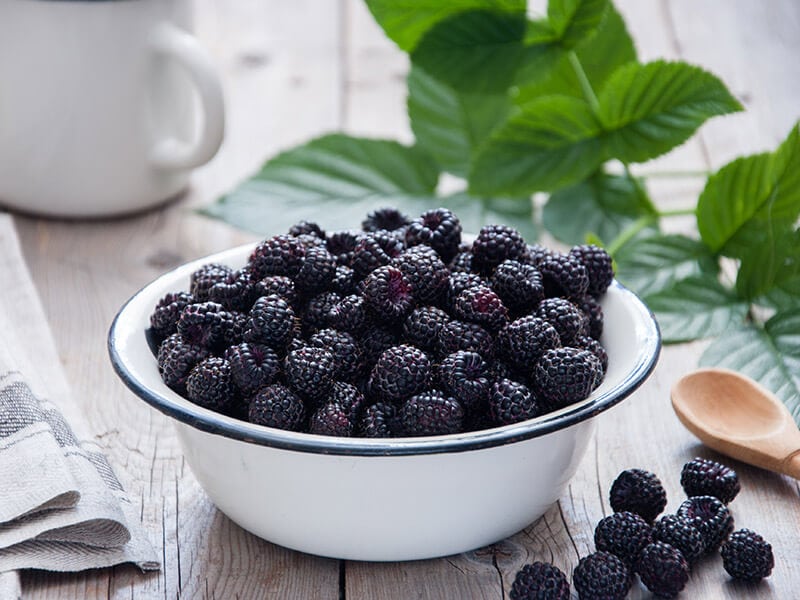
(215, 423)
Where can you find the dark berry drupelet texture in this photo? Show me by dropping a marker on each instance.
(253, 366)
(457, 283)
(431, 413)
(518, 285)
(375, 341)
(638, 491)
(439, 228)
(421, 328)
(318, 312)
(344, 281)
(594, 313)
(348, 360)
(703, 477)
(270, 322)
(277, 406)
(464, 375)
(602, 575)
(401, 371)
(563, 376)
(592, 345)
(568, 320)
(425, 271)
(176, 358)
(565, 276)
(624, 534)
(342, 244)
(388, 219)
(525, 340)
(511, 402)
(331, 419)
(534, 254)
(204, 278)
(598, 267)
(482, 306)
(278, 255)
(306, 228)
(663, 570)
(458, 335)
(349, 398)
(278, 285)
(349, 314)
(205, 324)
(748, 556)
(678, 532)
(164, 319)
(235, 292)
(388, 294)
(316, 270)
(461, 263)
(379, 420)
(309, 372)
(540, 581)
(374, 250)
(210, 384)
(493, 245)
(711, 517)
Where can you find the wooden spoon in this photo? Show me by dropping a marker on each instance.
(736, 416)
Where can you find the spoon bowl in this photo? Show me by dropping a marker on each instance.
(736, 416)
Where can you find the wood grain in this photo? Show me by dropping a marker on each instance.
(293, 70)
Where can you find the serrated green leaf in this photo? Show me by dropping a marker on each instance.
(602, 204)
(334, 180)
(771, 262)
(552, 142)
(448, 124)
(654, 264)
(744, 200)
(474, 213)
(770, 355)
(649, 109)
(406, 21)
(476, 51)
(575, 20)
(695, 308)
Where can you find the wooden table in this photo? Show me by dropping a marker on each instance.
(296, 69)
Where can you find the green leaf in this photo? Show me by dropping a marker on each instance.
(575, 20)
(552, 142)
(474, 213)
(475, 51)
(783, 296)
(749, 196)
(649, 109)
(770, 355)
(602, 204)
(695, 308)
(773, 261)
(334, 180)
(406, 21)
(655, 264)
(448, 124)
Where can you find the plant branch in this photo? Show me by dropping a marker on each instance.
(586, 85)
(677, 212)
(630, 232)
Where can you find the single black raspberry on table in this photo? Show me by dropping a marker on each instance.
(425, 271)
(253, 366)
(663, 569)
(747, 556)
(602, 575)
(176, 358)
(277, 406)
(680, 533)
(421, 328)
(564, 275)
(540, 581)
(331, 419)
(401, 371)
(440, 229)
(164, 319)
(482, 306)
(388, 219)
(598, 267)
(511, 402)
(640, 492)
(563, 376)
(210, 385)
(205, 324)
(204, 278)
(431, 413)
(493, 245)
(388, 294)
(270, 322)
(347, 357)
(624, 534)
(458, 335)
(567, 319)
(464, 375)
(518, 285)
(711, 517)
(703, 477)
(309, 372)
(278, 255)
(525, 340)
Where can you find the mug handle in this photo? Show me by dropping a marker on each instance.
(174, 154)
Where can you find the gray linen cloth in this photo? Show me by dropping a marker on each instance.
(62, 508)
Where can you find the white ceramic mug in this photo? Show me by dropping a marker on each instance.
(105, 106)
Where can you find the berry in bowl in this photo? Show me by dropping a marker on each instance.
(393, 393)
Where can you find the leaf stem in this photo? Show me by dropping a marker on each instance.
(677, 212)
(586, 85)
(642, 193)
(629, 233)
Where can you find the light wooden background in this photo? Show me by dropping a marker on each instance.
(294, 69)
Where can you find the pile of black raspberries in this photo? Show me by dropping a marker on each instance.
(662, 552)
(400, 329)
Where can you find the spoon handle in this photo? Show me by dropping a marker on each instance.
(791, 464)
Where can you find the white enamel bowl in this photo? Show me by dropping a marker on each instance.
(381, 500)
